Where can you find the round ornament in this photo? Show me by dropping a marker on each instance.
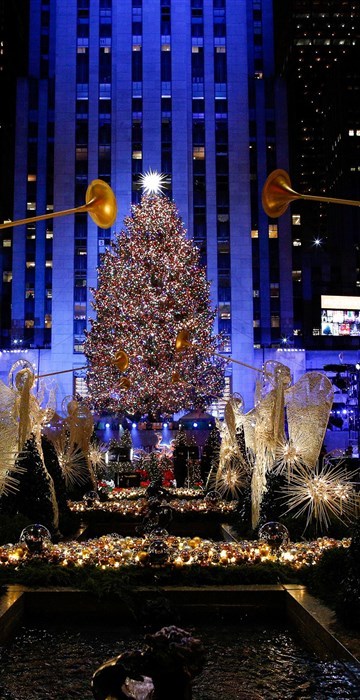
(274, 534)
(158, 533)
(91, 497)
(158, 552)
(212, 498)
(36, 537)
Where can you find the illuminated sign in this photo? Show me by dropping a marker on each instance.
(340, 315)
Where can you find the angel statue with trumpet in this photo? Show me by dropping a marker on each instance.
(22, 416)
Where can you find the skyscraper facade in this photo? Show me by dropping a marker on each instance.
(185, 87)
(319, 50)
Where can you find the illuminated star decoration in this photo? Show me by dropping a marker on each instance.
(287, 457)
(71, 460)
(97, 456)
(152, 182)
(321, 493)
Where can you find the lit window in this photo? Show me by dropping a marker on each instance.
(49, 235)
(137, 89)
(136, 47)
(351, 132)
(316, 331)
(194, 49)
(296, 275)
(258, 75)
(275, 321)
(256, 323)
(256, 293)
(81, 153)
(296, 220)
(165, 47)
(31, 206)
(7, 276)
(165, 89)
(357, 132)
(224, 311)
(29, 323)
(199, 152)
(7, 243)
(49, 207)
(220, 49)
(273, 231)
(31, 178)
(30, 263)
(81, 49)
(137, 155)
(48, 321)
(220, 91)
(296, 242)
(48, 263)
(274, 290)
(254, 233)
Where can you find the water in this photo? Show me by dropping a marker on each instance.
(57, 662)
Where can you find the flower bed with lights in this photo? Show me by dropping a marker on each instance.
(160, 550)
(135, 509)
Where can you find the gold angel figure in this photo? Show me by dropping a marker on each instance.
(79, 425)
(21, 415)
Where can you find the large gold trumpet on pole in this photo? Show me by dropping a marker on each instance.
(183, 342)
(100, 203)
(277, 194)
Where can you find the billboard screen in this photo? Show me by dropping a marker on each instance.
(340, 315)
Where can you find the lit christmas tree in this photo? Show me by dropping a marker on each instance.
(150, 287)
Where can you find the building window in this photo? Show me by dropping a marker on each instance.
(254, 233)
(199, 152)
(274, 290)
(273, 231)
(296, 220)
(7, 243)
(275, 321)
(296, 275)
(296, 242)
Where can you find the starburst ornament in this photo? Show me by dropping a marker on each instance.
(322, 493)
(152, 182)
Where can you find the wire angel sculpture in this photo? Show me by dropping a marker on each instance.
(73, 444)
(232, 473)
(264, 428)
(285, 429)
(22, 415)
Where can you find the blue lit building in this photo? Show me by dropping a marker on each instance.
(186, 87)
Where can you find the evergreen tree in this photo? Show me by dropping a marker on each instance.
(125, 441)
(150, 287)
(180, 455)
(35, 497)
(210, 454)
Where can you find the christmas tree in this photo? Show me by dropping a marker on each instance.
(150, 287)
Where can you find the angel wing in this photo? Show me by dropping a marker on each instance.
(308, 404)
(9, 434)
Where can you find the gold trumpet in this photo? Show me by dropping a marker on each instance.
(277, 194)
(100, 203)
(183, 342)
